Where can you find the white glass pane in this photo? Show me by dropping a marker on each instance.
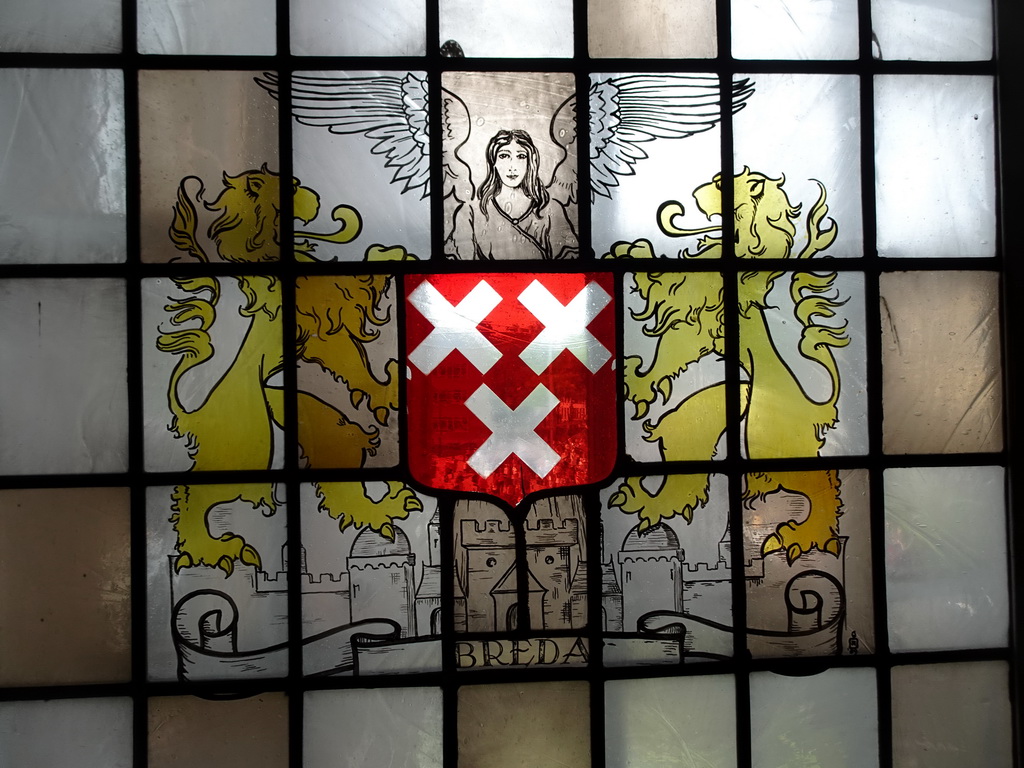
(67, 733)
(794, 29)
(932, 30)
(358, 28)
(806, 128)
(62, 179)
(214, 27)
(528, 28)
(826, 719)
(951, 715)
(655, 723)
(339, 153)
(63, 376)
(60, 26)
(397, 727)
(946, 558)
(626, 29)
(934, 166)
(216, 582)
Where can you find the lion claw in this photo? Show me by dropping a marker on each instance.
(226, 565)
(249, 556)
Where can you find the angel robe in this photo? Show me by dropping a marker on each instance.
(540, 234)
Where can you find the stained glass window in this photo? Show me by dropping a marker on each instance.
(712, 468)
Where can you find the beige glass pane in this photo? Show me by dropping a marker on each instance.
(210, 400)
(527, 29)
(395, 727)
(800, 130)
(674, 371)
(62, 180)
(666, 565)
(212, 27)
(509, 726)
(654, 141)
(70, 621)
(824, 719)
(357, 28)
(652, 29)
(934, 197)
(932, 30)
(941, 371)
(361, 148)
(655, 722)
(60, 26)
(246, 732)
(67, 733)
(805, 360)
(794, 29)
(807, 545)
(216, 590)
(371, 565)
(207, 135)
(63, 387)
(951, 715)
(946, 558)
(510, 145)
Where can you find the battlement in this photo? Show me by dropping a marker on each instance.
(706, 572)
(544, 533)
(278, 582)
(487, 533)
(652, 556)
(395, 562)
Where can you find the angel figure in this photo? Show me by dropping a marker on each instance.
(516, 213)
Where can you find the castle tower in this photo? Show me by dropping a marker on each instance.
(549, 558)
(650, 573)
(381, 579)
(490, 552)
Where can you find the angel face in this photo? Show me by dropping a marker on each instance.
(511, 163)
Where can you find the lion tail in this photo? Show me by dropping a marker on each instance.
(191, 343)
(815, 299)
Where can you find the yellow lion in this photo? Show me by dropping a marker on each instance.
(233, 427)
(683, 311)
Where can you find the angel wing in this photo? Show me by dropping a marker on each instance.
(390, 110)
(628, 111)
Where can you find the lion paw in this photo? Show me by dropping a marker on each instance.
(218, 553)
(797, 539)
(351, 505)
(679, 495)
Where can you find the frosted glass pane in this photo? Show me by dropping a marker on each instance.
(67, 733)
(63, 376)
(808, 390)
(529, 28)
(339, 154)
(655, 139)
(181, 136)
(935, 197)
(357, 28)
(807, 543)
(60, 26)
(825, 719)
(951, 715)
(650, 550)
(62, 180)
(932, 30)
(216, 582)
(794, 29)
(655, 29)
(246, 732)
(509, 726)
(803, 128)
(397, 727)
(357, 580)
(213, 27)
(942, 381)
(946, 558)
(70, 621)
(209, 400)
(655, 722)
(513, 136)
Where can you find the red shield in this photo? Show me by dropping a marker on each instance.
(511, 383)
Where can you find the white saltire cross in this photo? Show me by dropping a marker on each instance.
(565, 327)
(455, 327)
(513, 431)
